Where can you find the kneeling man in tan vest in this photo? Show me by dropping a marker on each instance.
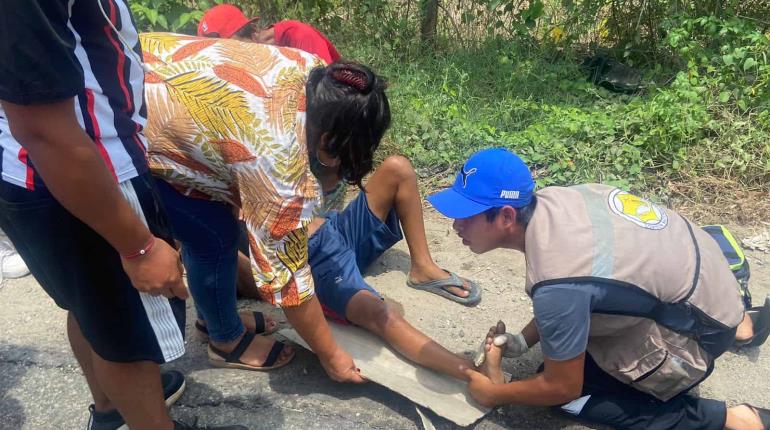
(632, 302)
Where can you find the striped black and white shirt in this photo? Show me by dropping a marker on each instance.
(53, 50)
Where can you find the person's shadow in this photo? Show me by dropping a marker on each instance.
(13, 359)
(305, 376)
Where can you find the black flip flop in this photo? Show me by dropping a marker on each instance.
(232, 360)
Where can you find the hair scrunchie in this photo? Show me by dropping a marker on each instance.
(354, 78)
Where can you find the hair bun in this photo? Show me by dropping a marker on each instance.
(354, 78)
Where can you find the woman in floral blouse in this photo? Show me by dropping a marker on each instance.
(269, 133)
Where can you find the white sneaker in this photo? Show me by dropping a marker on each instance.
(11, 264)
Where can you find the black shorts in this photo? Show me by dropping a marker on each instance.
(84, 275)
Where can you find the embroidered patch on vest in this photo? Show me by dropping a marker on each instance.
(637, 210)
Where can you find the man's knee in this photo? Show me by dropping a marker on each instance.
(399, 167)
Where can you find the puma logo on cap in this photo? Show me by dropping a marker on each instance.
(507, 194)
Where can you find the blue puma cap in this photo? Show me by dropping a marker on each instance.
(491, 178)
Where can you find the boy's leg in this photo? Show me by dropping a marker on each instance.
(345, 296)
(394, 185)
(84, 355)
(370, 312)
(246, 286)
(135, 390)
(135, 387)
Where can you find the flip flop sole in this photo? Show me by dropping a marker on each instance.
(221, 363)
(225, 365)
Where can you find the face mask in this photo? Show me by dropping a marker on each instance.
(315, 165)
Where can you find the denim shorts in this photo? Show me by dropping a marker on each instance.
(343, 247)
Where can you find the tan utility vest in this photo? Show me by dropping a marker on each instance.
(599, 234)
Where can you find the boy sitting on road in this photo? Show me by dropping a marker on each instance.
(344, 243)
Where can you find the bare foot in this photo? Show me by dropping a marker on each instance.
(435, 273)
(744, 418)
(257, 351)
(745, 330)
(249, 321)
(491, 367)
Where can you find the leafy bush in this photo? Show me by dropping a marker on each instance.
(506, 74)
(178, 16)
(727, 55)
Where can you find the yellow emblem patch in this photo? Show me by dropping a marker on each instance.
(637, 210)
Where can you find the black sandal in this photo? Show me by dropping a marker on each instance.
(232, 360)
(259, 323)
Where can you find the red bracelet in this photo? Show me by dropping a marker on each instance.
(142, 251)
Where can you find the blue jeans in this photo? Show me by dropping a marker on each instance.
(209, 232)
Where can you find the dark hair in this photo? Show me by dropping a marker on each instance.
(249, 29)
(347, 101)
(523, 214)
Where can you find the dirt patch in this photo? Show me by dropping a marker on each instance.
(715, 200)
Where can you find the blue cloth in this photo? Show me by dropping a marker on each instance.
(209, 233)
(563, 318)
(344, 246)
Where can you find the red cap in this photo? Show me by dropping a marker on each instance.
(224, 19)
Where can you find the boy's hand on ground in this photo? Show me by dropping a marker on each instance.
(341, 368)
(481, 388)
(159, 272)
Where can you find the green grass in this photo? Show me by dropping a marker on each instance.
(708, 121)
(449, 104)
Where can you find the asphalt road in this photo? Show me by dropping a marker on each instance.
(41, 386)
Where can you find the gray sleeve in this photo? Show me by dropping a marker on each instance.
(563, 318)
